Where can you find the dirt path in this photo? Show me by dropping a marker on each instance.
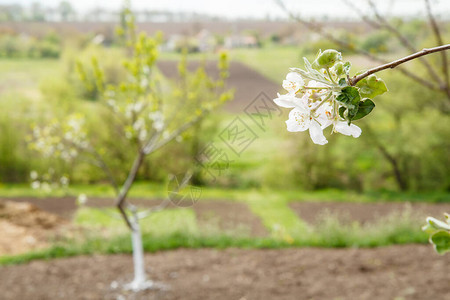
(248, 83)
(395, 272)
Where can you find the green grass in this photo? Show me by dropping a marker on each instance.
(272, 61)
(276, 215)
(26, 74)
(158, 190)
(162, 223)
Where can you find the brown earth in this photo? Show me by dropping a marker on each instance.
(395, 272)
(247, 82)
(312, 212)
(25, 227)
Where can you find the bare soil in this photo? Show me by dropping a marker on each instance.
(312, 212)
(395, 272)
(25, 227)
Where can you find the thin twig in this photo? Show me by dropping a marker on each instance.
(318, 29)
(167, 200)
(174, 134)
(404, 41)
(101, 163)
(397, 62)
(438, 36)
(363, 16)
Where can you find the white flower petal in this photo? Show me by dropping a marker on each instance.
(344, 128)
(313, 83)
(316, 134)
(293, 82)
(324, 115)
(294, 76)
(299, 120)
(287, 100)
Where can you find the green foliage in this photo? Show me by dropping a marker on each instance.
(410, 122)
(17, 46)
(139, 109)
(376, 42)
(364, 108)
(441, 241)
(349, 97)
(86, 82)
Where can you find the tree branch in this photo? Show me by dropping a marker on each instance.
(120, 200)
(397, 62)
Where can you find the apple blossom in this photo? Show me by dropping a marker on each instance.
(322, 95)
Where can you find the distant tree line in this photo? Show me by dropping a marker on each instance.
(65, 12)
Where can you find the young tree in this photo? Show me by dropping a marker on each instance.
(148, 114)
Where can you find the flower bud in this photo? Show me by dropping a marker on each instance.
(339, 68)
(327, 59)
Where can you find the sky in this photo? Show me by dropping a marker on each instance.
(260, 8)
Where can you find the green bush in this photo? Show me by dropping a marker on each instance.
(376, 42)
(19, 46)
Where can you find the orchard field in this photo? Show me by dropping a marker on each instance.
(282, 218)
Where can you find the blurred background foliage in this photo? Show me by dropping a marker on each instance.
(404, 145)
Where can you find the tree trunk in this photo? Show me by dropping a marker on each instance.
(139, 282)
(401, 182)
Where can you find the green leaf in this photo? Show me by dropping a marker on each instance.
(441, 241)
(349, 96)
(342, 112)
(364, 108)
(371, 86)
(342, 82)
